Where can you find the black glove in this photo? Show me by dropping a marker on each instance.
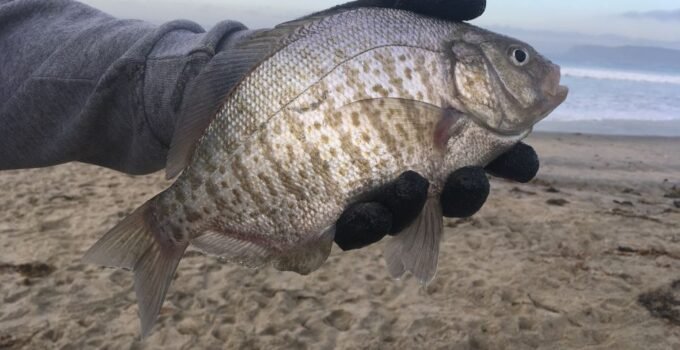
(396, 205)
(452, 10)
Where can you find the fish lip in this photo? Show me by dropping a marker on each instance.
(554, 93)
(554, 100)
(560, 95)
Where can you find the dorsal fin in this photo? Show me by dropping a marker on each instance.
(205, 95)
(208, 91)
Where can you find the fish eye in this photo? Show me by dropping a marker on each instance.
(519, 56)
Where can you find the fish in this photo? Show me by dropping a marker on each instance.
(293, 124)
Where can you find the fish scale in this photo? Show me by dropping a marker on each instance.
(333, 107)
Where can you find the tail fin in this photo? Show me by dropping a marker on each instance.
(135, 244)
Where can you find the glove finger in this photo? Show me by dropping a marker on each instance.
(388, 211)
(404, 198)
(452, 10)
(518, 164)
(361, 225)
(465, 192)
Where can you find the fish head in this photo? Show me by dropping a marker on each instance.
(503, 83)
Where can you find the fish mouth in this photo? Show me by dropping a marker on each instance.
(561, 94)
(554, 92)
(553, 100)
(554, 95)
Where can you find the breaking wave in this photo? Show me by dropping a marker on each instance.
(620, 75)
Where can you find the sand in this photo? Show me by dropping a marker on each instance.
(584, 257)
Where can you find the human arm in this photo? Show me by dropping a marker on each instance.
(79, 85)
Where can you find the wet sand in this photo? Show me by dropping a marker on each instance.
(583, 257)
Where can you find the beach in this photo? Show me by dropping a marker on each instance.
(585, 256)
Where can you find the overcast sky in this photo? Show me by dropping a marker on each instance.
(649, 19)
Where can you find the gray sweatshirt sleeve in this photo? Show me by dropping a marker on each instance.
(79, 85)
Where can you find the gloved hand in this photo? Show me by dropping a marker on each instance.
(399, 203)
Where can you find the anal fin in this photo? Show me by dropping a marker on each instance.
(302, 258)
(416, 249)
(233, 249)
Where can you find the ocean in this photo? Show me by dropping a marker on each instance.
(618, 102)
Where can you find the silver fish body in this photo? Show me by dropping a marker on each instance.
(343, 104)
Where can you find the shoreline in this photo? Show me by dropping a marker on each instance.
(612, 127)
(548, 133)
